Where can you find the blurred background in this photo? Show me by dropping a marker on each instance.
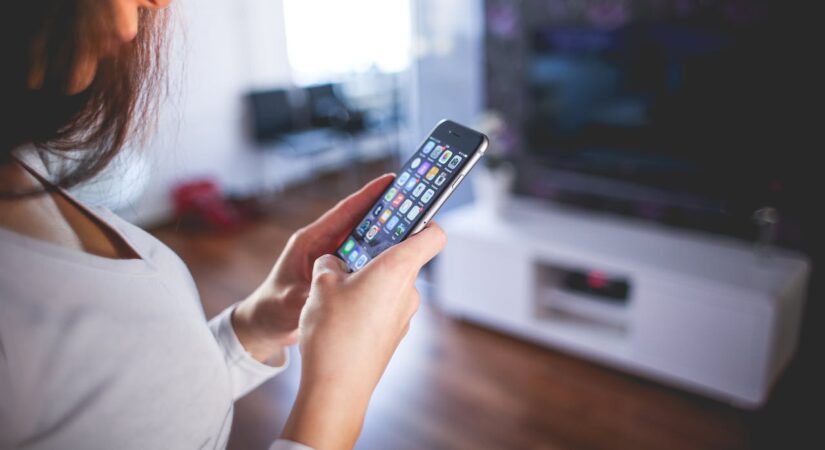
(633, 266)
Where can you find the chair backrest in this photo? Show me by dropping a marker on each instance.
(325, 106)
(272, 114)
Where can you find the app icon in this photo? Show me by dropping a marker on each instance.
(412, 214)
(454, 162)
(445, 157)
(415, 163)
(419, 189)
(405, 206)
(384, 217)
(427, 147)
(356, 252)
(437, 152)
(390, 194)
(365, 225)
(423, 168)
(427, 195)
(378, 208)
(432, 173)
(399, 231)
(441, 179)
(371, 234)
(403, 178)
(410, 184)
(391, 224)
(397, 200)
(361, 262)
(348, 246)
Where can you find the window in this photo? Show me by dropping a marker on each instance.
(329, 38)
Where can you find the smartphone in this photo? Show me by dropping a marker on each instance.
(423, 184)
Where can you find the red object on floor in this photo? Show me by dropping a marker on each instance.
(201, 203)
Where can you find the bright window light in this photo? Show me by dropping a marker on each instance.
(330, 38)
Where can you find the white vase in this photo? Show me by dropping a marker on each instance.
(492, 188)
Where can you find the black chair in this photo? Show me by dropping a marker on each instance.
(328, 109)
(303, 124)
(271, 115)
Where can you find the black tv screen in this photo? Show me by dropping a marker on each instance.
(673, 115)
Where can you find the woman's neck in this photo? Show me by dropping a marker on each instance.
(54, 218)
(14, 178)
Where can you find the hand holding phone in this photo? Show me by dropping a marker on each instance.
(423, 185)
(350, 327)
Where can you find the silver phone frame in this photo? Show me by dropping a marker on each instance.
(432, 210)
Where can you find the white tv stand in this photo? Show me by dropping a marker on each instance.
(703, 313)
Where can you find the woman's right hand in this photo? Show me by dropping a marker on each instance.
(349, 328)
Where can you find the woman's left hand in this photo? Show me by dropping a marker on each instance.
(267, 320)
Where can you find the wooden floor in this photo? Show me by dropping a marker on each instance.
(453, 385)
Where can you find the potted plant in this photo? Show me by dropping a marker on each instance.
(493, 180)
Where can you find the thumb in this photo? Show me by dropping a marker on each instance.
(329, 266)
(416, 250)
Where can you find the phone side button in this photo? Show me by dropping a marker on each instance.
(457, 181)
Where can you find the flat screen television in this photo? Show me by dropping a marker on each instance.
(675, 115)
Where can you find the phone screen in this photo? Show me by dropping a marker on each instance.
(420, 183)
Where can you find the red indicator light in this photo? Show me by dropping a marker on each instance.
(596, 280)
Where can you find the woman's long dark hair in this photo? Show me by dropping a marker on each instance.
(46, 36)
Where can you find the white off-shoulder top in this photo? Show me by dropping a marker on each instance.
(97, 353)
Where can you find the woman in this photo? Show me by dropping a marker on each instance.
(103, 343)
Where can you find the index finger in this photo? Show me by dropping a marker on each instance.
(346, 214)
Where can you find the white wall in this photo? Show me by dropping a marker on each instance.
(448, 70)
(222, 49)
